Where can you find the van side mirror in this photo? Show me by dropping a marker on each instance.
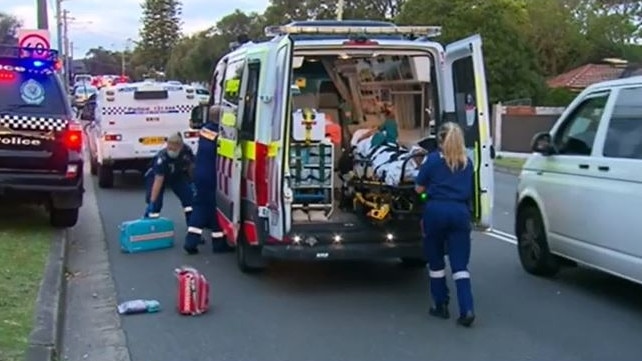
(199, 116)
(542, 143)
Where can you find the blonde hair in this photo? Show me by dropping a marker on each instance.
(453, 148)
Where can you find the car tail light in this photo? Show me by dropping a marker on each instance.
(72, 137)
(360, 42)
(113, 137)
(191, 134)
(7, 75)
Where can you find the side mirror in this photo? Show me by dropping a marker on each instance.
(199, 116)
(542, 143)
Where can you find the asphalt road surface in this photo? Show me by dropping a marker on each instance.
(368, 311)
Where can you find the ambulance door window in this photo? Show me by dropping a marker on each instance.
(464, 83)
(232, 82)
(215, 91)
(248, 123)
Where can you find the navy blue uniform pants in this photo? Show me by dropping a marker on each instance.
(180, 186)
(446, 225)
(204, 217)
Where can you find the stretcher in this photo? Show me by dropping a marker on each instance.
(379, 182)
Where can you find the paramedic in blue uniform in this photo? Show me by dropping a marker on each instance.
(172, 166)
(204, 215)
(446, 177)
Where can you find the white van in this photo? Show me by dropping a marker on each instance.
(580, 193)
(131, 122)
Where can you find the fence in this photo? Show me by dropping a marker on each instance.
(513, 127)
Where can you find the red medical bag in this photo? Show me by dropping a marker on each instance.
(193, 292)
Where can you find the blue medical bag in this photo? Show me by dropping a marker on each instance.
(146, 234)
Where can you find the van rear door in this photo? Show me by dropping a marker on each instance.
(466, 102)
(280, 196)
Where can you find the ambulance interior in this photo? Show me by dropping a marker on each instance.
(338, 96)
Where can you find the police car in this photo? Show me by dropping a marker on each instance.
(130, 123)
(40, 141)
(277, 195)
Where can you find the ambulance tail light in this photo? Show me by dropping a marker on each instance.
(286, 240)
(190, 134)
(113, 137)
(360, 42)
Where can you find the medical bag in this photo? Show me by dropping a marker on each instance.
(146, 234)
(193, 292)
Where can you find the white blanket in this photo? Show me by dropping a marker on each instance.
(382, 161)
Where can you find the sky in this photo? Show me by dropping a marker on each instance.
(110, 23)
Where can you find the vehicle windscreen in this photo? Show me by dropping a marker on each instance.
(81, 90)
(82, 78)
(202, 92)
(151, 95)
(32, 94)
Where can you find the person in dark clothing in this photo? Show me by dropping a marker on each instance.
(446, 177)
(204, 215)
(171, 166)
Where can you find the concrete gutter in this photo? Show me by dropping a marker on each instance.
(45, 338)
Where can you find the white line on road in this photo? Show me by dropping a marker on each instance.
(502, 236)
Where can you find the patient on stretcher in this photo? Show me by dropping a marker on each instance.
(377, 154)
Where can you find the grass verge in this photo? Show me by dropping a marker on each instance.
(25, 238)
(508, 162)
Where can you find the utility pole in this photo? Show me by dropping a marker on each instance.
(43, 16)
(59, 24)
(65, 36)
(340, 4)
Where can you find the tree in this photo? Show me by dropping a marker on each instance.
(8, 27)
(102, 61)
(160, 32)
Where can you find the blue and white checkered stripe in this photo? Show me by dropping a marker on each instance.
(120, 110)
(24, 122)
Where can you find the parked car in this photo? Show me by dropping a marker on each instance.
(580, 192)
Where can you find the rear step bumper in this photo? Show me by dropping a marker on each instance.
(355, 244)
(39, 183)
(343, 251)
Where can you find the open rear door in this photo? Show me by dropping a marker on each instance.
(466, 101)
(280, 197)
(230, 154)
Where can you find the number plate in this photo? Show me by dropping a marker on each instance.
(152, 140)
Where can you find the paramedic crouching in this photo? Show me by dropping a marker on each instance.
(172, 166)
(447, 178)
(204, 215)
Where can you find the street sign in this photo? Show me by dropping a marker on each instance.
(34, 39)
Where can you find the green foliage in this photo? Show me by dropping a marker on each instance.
(8, 27)
(160, 32)
(557, 97)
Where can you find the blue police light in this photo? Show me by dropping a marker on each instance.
(38, 63)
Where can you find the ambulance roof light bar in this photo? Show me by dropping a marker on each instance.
(427, 31)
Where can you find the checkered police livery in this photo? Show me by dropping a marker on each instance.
(133, 110)
(23, 122)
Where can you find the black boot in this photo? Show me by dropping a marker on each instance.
(190, 251)
(440, 311)
(467, 319)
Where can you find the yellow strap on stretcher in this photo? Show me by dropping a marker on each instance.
(307, 122)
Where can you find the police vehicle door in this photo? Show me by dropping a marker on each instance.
(466, 101)
(279, 195)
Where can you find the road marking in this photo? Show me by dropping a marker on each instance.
(502, 236)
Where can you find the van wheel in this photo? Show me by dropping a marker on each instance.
(93, 166)
(105, 176)
(532, 245)
(413, 262)
(249, 258)
(63, 218)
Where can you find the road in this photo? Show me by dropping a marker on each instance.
(368, 311)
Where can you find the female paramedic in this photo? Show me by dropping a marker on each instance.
(446, 177)
(172, 166)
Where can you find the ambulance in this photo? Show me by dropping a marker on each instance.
(282, 191)
(131, 122)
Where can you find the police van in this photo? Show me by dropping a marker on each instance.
(130, 123)
(283, 189)
(41, 158)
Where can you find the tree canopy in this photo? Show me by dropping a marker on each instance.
(8, 27)
(525, 41)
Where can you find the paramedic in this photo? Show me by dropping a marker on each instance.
(171, 166)
(204, 215)
(447, 178)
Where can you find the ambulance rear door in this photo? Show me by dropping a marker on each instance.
(466, 102)
(279, 193)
